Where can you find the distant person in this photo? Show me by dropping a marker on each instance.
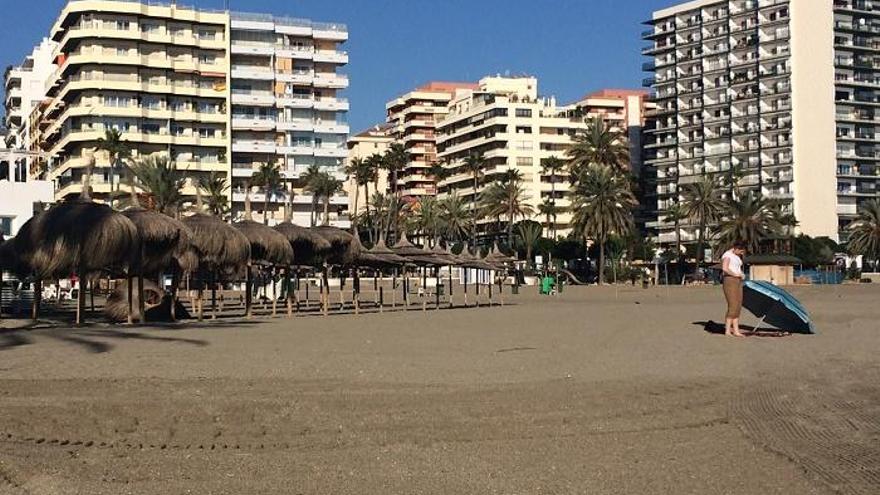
(733, 277)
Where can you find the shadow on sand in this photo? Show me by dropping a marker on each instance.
(95, 340)
(716, 328)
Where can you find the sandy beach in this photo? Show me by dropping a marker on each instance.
(594, 391)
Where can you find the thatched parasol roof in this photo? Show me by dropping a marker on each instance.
(76, 236)
(380, 255)
(344, 247)
(307, 244)
(217, 244)
(163, 238)
(442, 254)
(468, 260)
(414, 253)
(267, 244)
(497, 258)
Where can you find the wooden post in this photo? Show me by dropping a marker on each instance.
(289, 294)
(465, 276)
(80, 298)
(356, 281)
(490, 284)
(38, 294)
(214, 295)
(130, 291)
(437, 288)
(394, 289)
(175, 279)
(274, 294)
(451, 303)
(326, 291)
(247, 292)
(142, 313)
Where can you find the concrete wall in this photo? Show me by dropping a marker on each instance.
(18, 200)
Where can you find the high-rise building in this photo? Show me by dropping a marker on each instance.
(219, 93)
(780, 94)
(25, 86)
(413, 118)
(506, 122)
(287, 108)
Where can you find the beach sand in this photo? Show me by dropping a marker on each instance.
(595, 391)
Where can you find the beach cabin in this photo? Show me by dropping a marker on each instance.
(777, 269)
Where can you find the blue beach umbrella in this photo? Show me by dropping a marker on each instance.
(776, 307)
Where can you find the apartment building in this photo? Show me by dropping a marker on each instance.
(782, 91)
(373, 141)
(156, 73)
(287, 108)
(25, 89)
(512, 127)
(413, 118)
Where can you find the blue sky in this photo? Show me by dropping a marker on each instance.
(572, 46)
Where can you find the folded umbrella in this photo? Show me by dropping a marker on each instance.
(776, 307)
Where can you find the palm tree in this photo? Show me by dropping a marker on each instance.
(529, 233)
(598, 144)
(161, 181)
(474, 164)
(675, 214)
(552, 166)
(547, 208)
(454, 217)
(864, 236)
(702, 204)
(515, 199)
(428, 218)
(358, 170)
(311, 180)
(327, 187)
(268, 177)
(117, 150)
(439, 172)
(394, 161)
(215, 186)
(750, 219)
(602, 204)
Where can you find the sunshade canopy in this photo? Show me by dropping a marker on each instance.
(776, 307)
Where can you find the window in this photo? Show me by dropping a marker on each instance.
(205, 132)
(151, 103)
(523, 145)
(149, 28)
(524, 112)
(177, 129)
(524, 161)
(523, 130)
(205, 107)
(178, 105)
(6, 226)
(150, 128)
(117, 101)
(122, 25)
(206, 58)
(121, 52)
(206, 34)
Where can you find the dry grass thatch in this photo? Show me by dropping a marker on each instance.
(414, 253)
(497, 258)
(216, 244)
(163, 238)
(344, 247)
(77, 236)
(381, 255)
(267, 244)
(307, 244)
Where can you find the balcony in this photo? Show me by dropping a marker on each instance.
(295, 101)
(247, 47)
(332, 104)
(258, 98)
(299, 77)
(246, 122)
(303, 125)
(338, 81)
(252, 146)
(331, 56)
(328, 152)
(252, 72)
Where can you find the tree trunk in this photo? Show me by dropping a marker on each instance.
(553, 201)
(266, 208)
(326, 210)
(677, 239)
(80, 299)
(354, 215)
(314, 217)
(700, 241)
(474, 213)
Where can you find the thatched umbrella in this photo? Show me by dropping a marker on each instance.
(499, 261)
(344, 251)
(77, 236)
(307, 245)
(163, 239)
(219, 247)
(379, 258)
(419, 256)
(267, 246)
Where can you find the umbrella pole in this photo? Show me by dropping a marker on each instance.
(490, 284)
(130, 292)
(307, 294)
(424, 289)
(142, 313)
(289, 292)
(376, 286)
(394, 289)
(199, 292)
(214, 295)
(451, 303)
(405, 291)
(80, 299)
(326, 292)
(274, 294)
(477, 287)
(465, 277)
(341, 291)
(247, 292)
(92, 298)
(356, 292)
(38, 293)
(437, 288)
(174, 281)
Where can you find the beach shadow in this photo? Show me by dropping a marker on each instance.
(93, 340)
(716, 328)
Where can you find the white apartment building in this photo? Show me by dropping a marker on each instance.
(413, 118)
(21, 197)
(783, 90)
(25, 88)
(155, 72)
(512, 127)
(288, 108)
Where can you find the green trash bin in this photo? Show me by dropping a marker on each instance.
(547, 284)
